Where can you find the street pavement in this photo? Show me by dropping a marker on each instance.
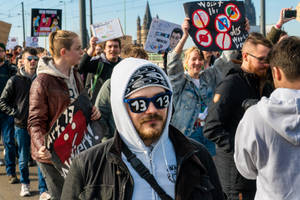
(12, 191)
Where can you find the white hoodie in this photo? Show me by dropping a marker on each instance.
(267, 145)
(161, 161)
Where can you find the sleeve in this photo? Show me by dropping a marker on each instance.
(104, 105)
(175, 72)
(73, 185)
(38, 119)
(7, 99)
(87, 64)
(220, 115)
(245, 154)
(274, 35)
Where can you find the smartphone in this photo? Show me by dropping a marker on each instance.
(290, 13)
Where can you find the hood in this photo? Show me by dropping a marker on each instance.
(22, 72)
(120, 77)
(282, 112)
(46, 66)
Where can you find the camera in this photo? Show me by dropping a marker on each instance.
(290, 13)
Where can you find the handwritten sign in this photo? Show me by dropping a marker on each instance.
(45, 21)
(217, 25)
(32, 42)
(72, 133)
(4, 31)
(163, 36)
(107, 30)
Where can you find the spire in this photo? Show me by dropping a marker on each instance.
(147, 17)
(138, 21)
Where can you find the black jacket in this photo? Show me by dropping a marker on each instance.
(90, 66)
(100, 173)
(14, 99)
(222, 120)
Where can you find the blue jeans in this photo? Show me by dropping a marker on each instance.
(23, 141)
(42, 182)
(197, 135)
(7, 130)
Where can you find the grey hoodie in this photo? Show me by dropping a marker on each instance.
(267, 145)
(46, 66)
(160, 159)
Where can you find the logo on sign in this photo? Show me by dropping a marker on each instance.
(232, 12)
(204, 37)
(222, 23)
(200, 19)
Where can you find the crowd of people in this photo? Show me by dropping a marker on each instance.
(209, 126)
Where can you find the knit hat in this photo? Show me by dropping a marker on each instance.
(145, 76)
(3, 46)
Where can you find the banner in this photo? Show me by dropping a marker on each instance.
(4, 31)
(107, 30)
(45, 21)
(12, 42)
(72, 133)
(32, 42)
(163, 36)
(217, 25)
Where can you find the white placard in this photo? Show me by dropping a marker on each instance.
(107, 30)
(32, 42)
(12, 42)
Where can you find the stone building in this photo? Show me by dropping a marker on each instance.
(142, 31)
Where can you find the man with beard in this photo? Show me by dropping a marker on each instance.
(6, 121)
(146, 152)
(14, 101)
(100, 67)
(227, 109)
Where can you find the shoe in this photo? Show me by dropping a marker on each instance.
(45, 196)
(12, 179)
(25, 190)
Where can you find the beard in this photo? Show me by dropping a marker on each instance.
(154, 130)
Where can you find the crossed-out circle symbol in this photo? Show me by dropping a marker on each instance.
(204, 37)
(200, 18)
(223, 40)
(222, 23)
(232, 12)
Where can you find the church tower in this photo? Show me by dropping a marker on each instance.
(250, 12)
(138, 32)
(142, 31)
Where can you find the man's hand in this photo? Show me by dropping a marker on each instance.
(95, 113)
(282, 20)
(93, 43)
(44, 154)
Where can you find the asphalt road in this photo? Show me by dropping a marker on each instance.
(12, 191)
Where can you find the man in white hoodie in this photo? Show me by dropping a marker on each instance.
(141, 101)
(267, 141)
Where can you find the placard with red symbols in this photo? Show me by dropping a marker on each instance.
(217, 25)
(72, 133)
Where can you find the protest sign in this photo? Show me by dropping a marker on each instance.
(12, 42)
(72, 133)
(298, 12)
(4, 31)
(45, 21)
(32, 42)
(107, 30)
(163, 36)
(217, 25)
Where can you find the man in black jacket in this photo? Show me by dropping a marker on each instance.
(99, 68)
(14, 102)
(226, 111)
(144, 144)
(6, 121)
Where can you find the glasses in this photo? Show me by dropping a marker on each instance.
(263, 60)
(141, 104)
(30, 58)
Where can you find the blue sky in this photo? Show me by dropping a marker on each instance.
(169, 10)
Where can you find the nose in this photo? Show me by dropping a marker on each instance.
(151, 108)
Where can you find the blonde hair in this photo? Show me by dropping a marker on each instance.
(187, 55)
(60, 39)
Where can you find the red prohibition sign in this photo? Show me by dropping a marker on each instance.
(200, 18)
(233, 12)
(222, 23)
(204, 37)
(223, 40)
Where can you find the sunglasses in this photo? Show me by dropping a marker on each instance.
(141, 104)
(263, 60)
(30, 58)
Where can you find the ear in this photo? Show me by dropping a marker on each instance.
(277, 73)
(62, 51)
(245, 56)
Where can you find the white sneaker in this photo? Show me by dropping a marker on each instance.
(45, 196)
(25, 190)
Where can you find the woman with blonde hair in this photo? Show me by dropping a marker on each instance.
(56, 86)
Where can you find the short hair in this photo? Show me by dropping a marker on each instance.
(138, 52)
(286, 56)
(40, 50)
(188, 52)
(60, 39)
(16, 47)
(177, 30)
(115, 40)
(29, 50)
(255, 39)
